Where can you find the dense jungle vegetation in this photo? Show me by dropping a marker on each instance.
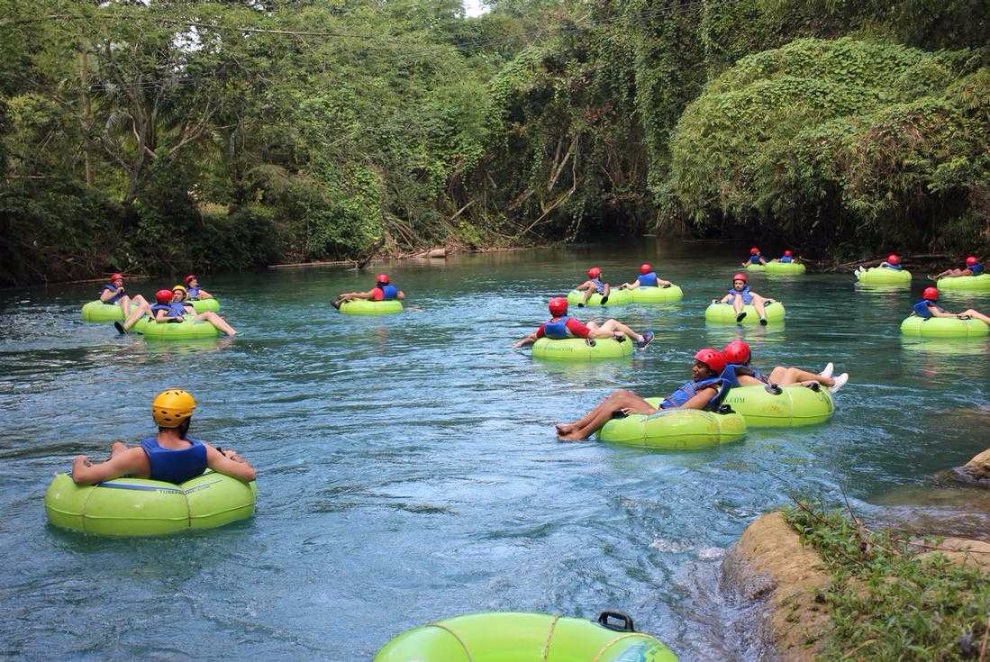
(167, 135)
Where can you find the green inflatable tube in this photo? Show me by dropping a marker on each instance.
(791, 407)
(979, 283)
(366, 307)
(141, 507)
(884, 276)
(97, 311)
(675, 429)
(723, 313)
(616, 297)
(205, 305)
(654, 294)
(579, 349)
(521, 637)
(756, 268)
(944, 327)
(175, 330)
(785, 268)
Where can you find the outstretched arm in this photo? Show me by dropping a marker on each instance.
(229, 462)
(132, 461)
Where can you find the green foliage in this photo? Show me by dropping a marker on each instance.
(884, 602)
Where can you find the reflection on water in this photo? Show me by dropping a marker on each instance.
(408, 468)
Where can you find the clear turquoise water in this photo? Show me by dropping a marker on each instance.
(408, 469)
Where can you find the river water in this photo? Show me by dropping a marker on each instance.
(408, 469)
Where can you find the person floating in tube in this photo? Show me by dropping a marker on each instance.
(170, 455)
(893, 262)
(560, 326)
(738, 372)
(382, 291)
(740, 295)
(113, 292)
(972, 268)
(703, 391)
(927, 308)
(594, 285)
(755, 257)
(193, 290)
(647, 278)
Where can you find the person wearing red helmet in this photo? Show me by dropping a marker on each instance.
(193, 290)
(740, 295)
(647, 278)
(738, 372)
(113, 292)
(594, 285)
(703, 391)
(755, 257)
(786, 257)
(561, 326)
(893, 261)
(179, 310)
(383, 290)
(972, 268)
(928, 307)
(170, 455)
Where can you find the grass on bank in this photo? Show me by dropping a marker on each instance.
(886, 602)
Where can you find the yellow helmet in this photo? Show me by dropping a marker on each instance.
(180, 287)
(171, 407)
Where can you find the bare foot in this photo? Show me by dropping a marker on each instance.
(569, 437)
(564, 428)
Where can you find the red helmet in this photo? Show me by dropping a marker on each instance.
(736, 351)
(188, 279)
(787, 253)
(558, 306)
(754, 251)
(711, 358)
(594, 272)
(893, 259)
(970, 261)
(163, 296)
(740, 276)
(382, 278)
(114, 277)
(930, 293)
(645, 268)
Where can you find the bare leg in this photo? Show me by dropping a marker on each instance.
(782, 376)
(758, 303)
(737, 304)
(618, 401)
(976, 315)
(141, 310)
(615, 326)
(216, 321)
(125, 305)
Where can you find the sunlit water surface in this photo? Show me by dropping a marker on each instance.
(408, 469)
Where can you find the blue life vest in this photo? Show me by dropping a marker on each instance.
(732, 371)
(557, 329)
(786, 259)
(174, 466)
(689, 389)
(648, 280)
(754, 259)
(599, 285)
(389, 292)
(175, 310)
(192, 292)
(921, 308)
(975, 269)
(888, 265)
(116, 297)
(746, 295)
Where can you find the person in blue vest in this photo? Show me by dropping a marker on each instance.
(972, 268)
(113, 292)
(740, 295)
(739, 372)
(928, 307)
(786, 258)
(703, 391)
(561, 326)
(755, 257)
(382, 291)
(893, 261)
(647, 278)
(193, 290)
(170, 455)
(179, 310)
(594, 285)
